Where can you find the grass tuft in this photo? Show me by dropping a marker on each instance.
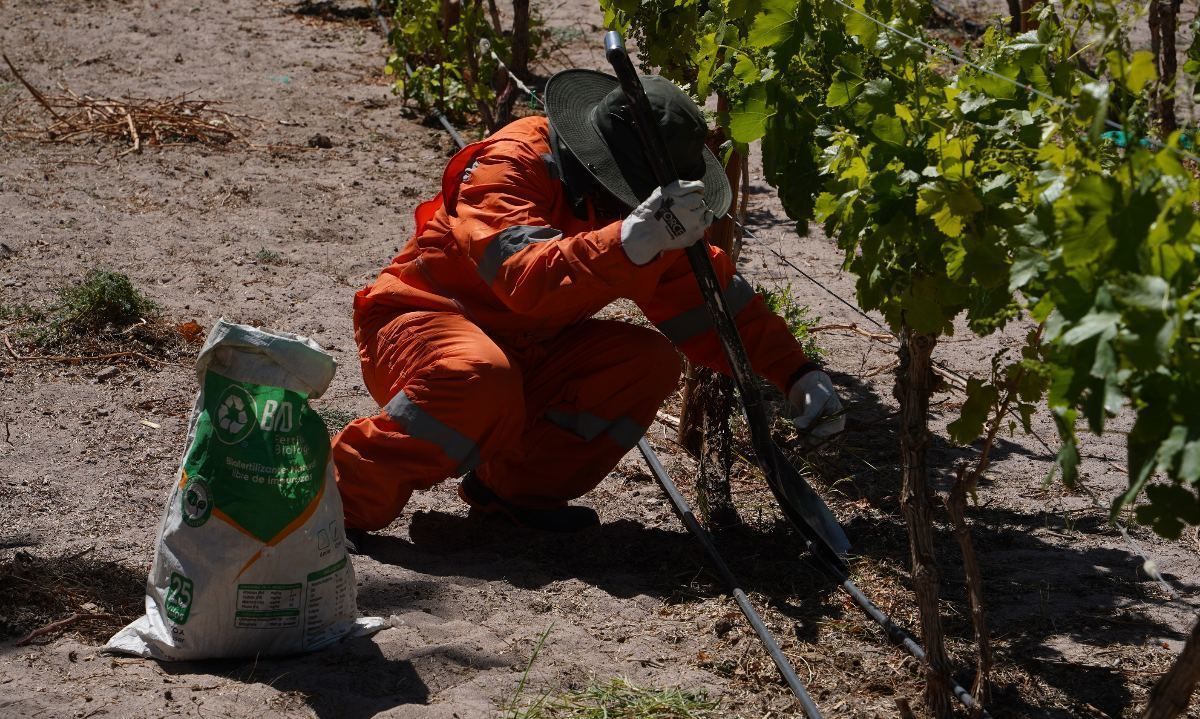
(269, 257)
(19, 313)
(104, 303)
(799, 317)
(102, 317)
(619, 699)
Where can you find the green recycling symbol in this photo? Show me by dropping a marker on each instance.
(235, 415)
(197, 502)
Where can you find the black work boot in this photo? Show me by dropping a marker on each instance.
(548, 519)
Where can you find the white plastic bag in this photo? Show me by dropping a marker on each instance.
(251, 556)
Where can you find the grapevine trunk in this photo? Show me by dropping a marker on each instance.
(1173, 692)
(914, 381)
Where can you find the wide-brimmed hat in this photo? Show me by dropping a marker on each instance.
(590, 114)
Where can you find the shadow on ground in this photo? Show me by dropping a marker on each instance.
(35, 591)
(331, 11)
(350, 680)
(1040, 592)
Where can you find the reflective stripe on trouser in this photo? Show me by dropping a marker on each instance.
(446, 392)
(590, 394)
(543, 425)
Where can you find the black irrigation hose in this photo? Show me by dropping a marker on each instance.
(689, 519)
(458, 140)
(901, 637)
(894, 631)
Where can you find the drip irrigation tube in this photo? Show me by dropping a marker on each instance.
(689, 519)
(458, 140)
(485, 46)
(894, 631)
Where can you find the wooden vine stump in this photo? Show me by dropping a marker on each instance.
(914, 381)
(956, 507)
(707, 397)
(1164, 24)
(713, 494)
(1172, 694)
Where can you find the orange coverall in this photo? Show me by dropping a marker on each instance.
(479, 345)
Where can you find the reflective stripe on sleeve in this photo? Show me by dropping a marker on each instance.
(625, 432)
(421, 425)
(509, 242)
(694, 322)
(622, 430)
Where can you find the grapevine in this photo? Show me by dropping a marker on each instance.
(983, 191)
(980, 189)
(440, 63)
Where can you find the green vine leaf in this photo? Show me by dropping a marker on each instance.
(981, 397)
(775, 25)
(962, 192)
(748, 119)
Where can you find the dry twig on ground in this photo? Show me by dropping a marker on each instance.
(138, 121)
(58, 626)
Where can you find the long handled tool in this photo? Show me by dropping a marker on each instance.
(799, 502)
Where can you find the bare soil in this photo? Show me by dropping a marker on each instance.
(88, 448)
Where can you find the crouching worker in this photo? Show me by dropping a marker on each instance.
(478, 341)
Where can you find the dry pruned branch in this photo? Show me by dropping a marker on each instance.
(137, 121)
(59, 626)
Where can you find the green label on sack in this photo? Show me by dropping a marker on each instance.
(179, 598)
(331, 569)
(258, 457)
(196, 502)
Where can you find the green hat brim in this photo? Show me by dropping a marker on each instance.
(570, 97)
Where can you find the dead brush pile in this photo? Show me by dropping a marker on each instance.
(138, 122)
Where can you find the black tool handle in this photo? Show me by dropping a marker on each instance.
(710, 287)
(656, 150)
(769, 456)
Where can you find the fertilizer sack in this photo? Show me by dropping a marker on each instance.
(251, 554)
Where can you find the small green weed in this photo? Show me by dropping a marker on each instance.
(511, 711)
(798, 317)
(619, 699)
(18, 313)
(104, 303)
(269, 257)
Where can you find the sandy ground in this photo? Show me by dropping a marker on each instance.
(1080, 630)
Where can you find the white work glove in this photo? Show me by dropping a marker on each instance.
(820, 407)
(671, 218)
